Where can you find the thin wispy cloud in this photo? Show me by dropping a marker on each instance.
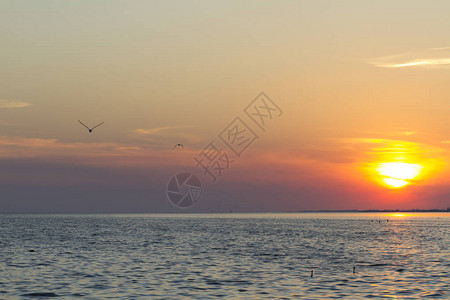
(160, 130)
(359, 151)
(164, 136)
(418, 63)
(13, 104)
(104, 154)
(433, 57)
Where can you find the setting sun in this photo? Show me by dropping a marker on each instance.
(396, 164)
(398, 174)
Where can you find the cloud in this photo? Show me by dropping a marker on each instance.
(433, 57)
(13, 104)
(104, 176)
(78, 153)
(418, 63)
(163, 136)
(159, 130)
(362, 150)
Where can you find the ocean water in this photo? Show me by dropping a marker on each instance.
(238, 256)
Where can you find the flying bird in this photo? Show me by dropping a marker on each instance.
(178, 145)
(90, 129)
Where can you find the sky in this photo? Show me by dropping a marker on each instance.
(361, 88)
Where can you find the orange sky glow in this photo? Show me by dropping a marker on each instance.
(363, 88)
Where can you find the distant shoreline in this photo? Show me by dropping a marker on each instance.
(376, 211)
(234, 212)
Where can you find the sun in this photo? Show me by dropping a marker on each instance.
(398, 174)
(396, 164)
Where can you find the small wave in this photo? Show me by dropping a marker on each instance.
(18, 265)
(78, 295)
(213, 282)
(238, 282)
(42, 264)
(377, 265)
(40, 295)
(434, 296)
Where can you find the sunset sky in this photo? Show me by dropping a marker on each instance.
(364, 87)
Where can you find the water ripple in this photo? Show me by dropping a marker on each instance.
(235, 256)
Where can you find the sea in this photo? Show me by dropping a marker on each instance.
(232, 256)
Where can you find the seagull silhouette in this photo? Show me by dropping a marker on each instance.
(178, 145)
(90, 129)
